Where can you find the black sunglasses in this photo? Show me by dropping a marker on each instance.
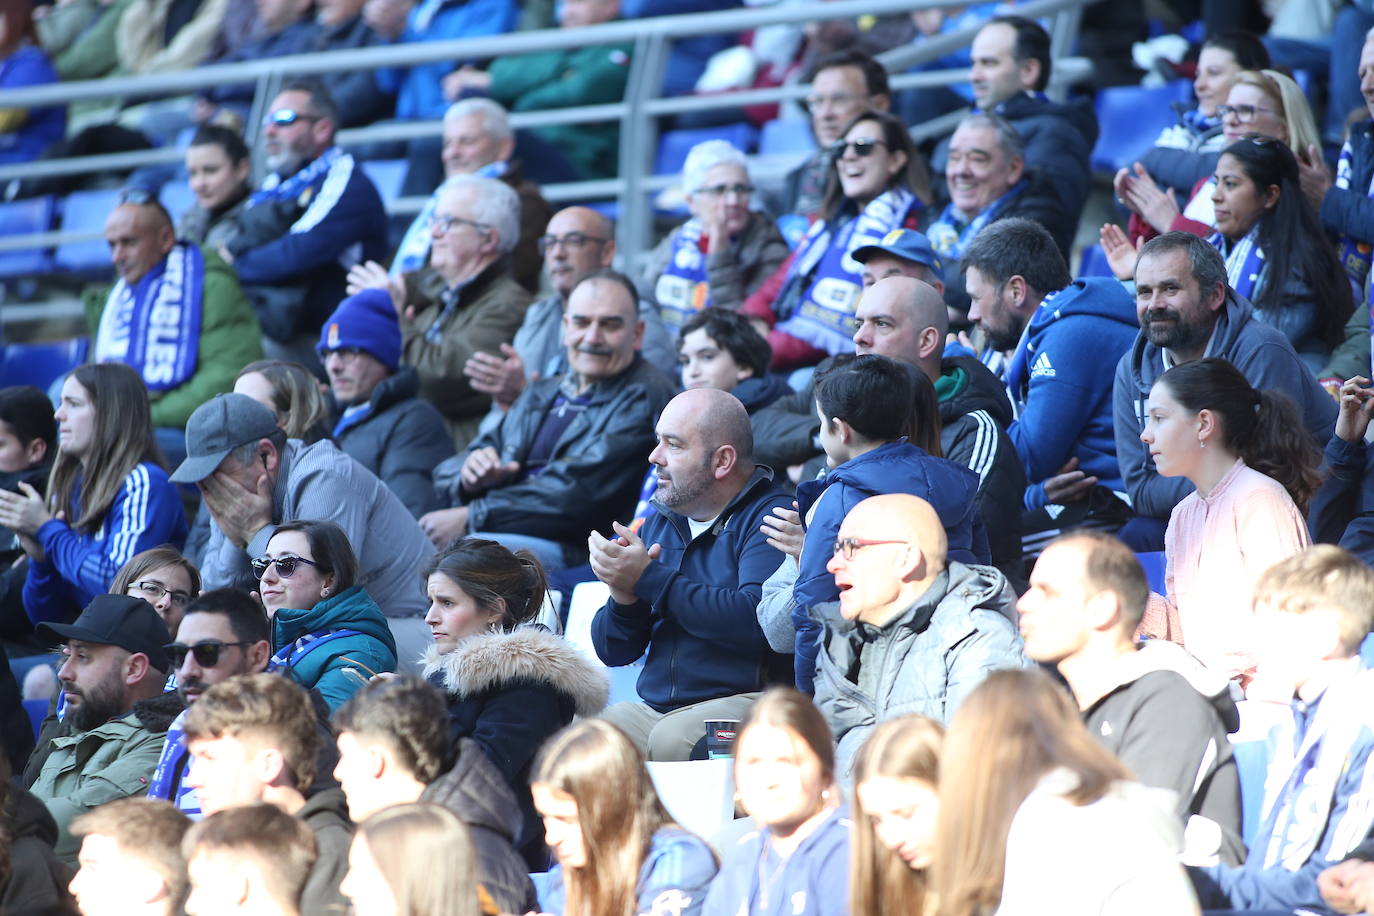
(862, 147)
(206, 653)
(286, 566)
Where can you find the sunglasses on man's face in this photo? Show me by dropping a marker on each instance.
(286, 566)
(206, 653)
(285, 117)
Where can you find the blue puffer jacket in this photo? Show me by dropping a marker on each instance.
(1061, 378)
(696, 609)
(338, 668)
(812, 881)
(895, 467)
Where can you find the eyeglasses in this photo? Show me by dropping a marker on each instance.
(206, 653)
(347, 354)
(286, 566)
(153, 592)
(574, 241)
(720, 190)
(285, 117)
(862, 147)
(851, 546)
(1244, 113)
(442, 225)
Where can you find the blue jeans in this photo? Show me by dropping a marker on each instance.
(549, 553)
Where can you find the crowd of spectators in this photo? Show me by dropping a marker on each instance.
(863, 506)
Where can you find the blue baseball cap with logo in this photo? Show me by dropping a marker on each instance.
(907, 244)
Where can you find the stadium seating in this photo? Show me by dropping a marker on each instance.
(1093, 263)
(387, 175)
(1129, 118)
(41, 364)
(22, 217)
(674, 145)
(786, 135)
(86, 211)
(176, 198)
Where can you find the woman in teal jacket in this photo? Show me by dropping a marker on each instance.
(327, 632)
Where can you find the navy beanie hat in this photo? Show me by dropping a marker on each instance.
(368, 322)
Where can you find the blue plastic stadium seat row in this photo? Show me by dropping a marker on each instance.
(22, 217)
(41, 364)
(1129, 118)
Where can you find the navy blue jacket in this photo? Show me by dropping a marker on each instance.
(696, 609)
(894, 467)
(1061, 377)
(1350, 211)
(1343, 509)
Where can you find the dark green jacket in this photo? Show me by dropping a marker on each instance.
(229, 340)
(566, 79)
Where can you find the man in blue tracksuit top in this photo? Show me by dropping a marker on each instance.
(316, 215)
(1067, 338)
(685, 587)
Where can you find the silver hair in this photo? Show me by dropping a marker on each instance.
(495, 204)
(495, 121)
(1013, 146)
(706, 156)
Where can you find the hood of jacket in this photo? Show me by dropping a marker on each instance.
(888, 469)
(326, 808)
(401, 385)
(474, 790)
(1095, 297)
(1147, 362)
(1162, 655)
(156, 713)
(1078, 112)
(352, 608)
(530, 654)
(28, 816)
(981, 391)
(757, 393)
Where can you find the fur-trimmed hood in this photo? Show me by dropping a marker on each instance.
(528, 654)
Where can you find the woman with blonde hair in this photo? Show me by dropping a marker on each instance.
(392, 864)
(108, 496)
(896, 801)
(797, 862)
(617, 849)
(291, 393)
(1264, 103)
(1036, 816)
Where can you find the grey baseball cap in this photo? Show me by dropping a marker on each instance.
(219, 426)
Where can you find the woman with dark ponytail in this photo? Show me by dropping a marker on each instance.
(510, 683)
(1255, 470)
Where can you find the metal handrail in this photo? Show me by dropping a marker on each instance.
(637, 112)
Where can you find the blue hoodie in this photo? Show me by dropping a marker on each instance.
(812, 881)
(1061, 381)
(894, 467)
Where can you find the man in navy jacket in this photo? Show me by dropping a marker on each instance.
(686, 587)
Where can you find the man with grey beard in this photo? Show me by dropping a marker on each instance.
(686, 585)
(315, 216)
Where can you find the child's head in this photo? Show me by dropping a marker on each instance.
(1315, 606)
(28, 431)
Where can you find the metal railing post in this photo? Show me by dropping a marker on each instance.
(638, 141)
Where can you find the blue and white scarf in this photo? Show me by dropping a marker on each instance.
(950, 235)
(832, 280)
(154, 325)
(1244, 261)
(413, 252)
(290, 655)
(683, 287)
(274, 187)
(1356, 254)
(169, 779)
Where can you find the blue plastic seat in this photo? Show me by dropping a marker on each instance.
(387, 175)
(86, 211)
(22, 217)
(1093, 263)
(1153, 564)
(176, 198)
(1252, 766)
(1129, 119)
(674, 145)
(786, 135)
(41, 364)
(38, 711)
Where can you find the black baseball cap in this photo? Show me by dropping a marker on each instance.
(117, 620)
